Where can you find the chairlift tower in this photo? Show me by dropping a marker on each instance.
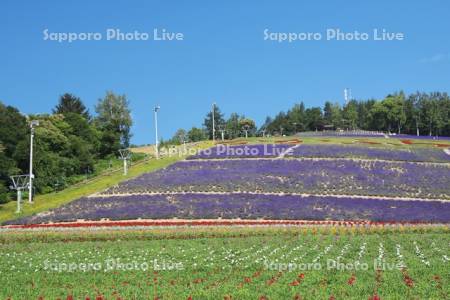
(20, 183)
(125, 155)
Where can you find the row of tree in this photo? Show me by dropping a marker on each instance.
(68, 142)
(418, 114)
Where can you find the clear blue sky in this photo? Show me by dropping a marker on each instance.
(222, 58)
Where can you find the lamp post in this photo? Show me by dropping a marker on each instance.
(31, 177)
(156, 131)
(213, 122)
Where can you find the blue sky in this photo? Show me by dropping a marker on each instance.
(223, 57)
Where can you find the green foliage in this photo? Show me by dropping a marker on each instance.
(224, 263)
(196, 134)
(414, 114)
(179, 137)
(69, 103)
(218, 121)
(114, 123)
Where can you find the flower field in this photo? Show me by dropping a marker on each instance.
(243, 206)
(325, 151)
(298, 264)
(339, 151)
(343, 177)
(285, 221)
(279, 182)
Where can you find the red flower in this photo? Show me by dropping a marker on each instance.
(332, 298)
(198, 280)
(263, 298)
(189, 298)
(70, 297)
(247, 280)
(352, 280)
(375, 297)
(294, 283)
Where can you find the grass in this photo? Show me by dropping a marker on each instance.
(96, 184)
(245, 263)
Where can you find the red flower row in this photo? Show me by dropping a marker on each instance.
(214, 222)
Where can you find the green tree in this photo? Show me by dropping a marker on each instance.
(218, 121)
(196, 134)
(232, 126)
(247, 126)
(114, 123)
(314, 118)
(69, 103)
(350, 114)
(180, 136)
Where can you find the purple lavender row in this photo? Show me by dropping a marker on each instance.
(373, 178)
(343, 151)
(244, 206)
(240, 151)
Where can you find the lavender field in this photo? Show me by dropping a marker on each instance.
(244, 206)
(290, 182)
(343, 177)
(347, 151)
(324, 151)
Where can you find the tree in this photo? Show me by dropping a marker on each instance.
(180, 136)
(247, 126)
(13, 128)
(114, 122)
(69, 103)
(232, 126)
(350, 114)
(218, 120)
(314, 118)
(196, 134)
(395, 107)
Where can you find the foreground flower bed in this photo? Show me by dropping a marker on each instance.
(243, 206)
(300, 264)
(372, 178)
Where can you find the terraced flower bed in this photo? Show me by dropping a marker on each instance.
(347, 151)
(344, 177)
(244, 206)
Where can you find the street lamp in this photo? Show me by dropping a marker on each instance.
(33, 124)
(213, 123)
(156, 131)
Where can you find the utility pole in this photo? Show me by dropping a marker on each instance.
(213, 122)
(156, 131)
(31, 175)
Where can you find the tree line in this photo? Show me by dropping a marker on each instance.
(415, 114)
(69, 142)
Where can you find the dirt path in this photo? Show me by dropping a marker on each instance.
(273, 194)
